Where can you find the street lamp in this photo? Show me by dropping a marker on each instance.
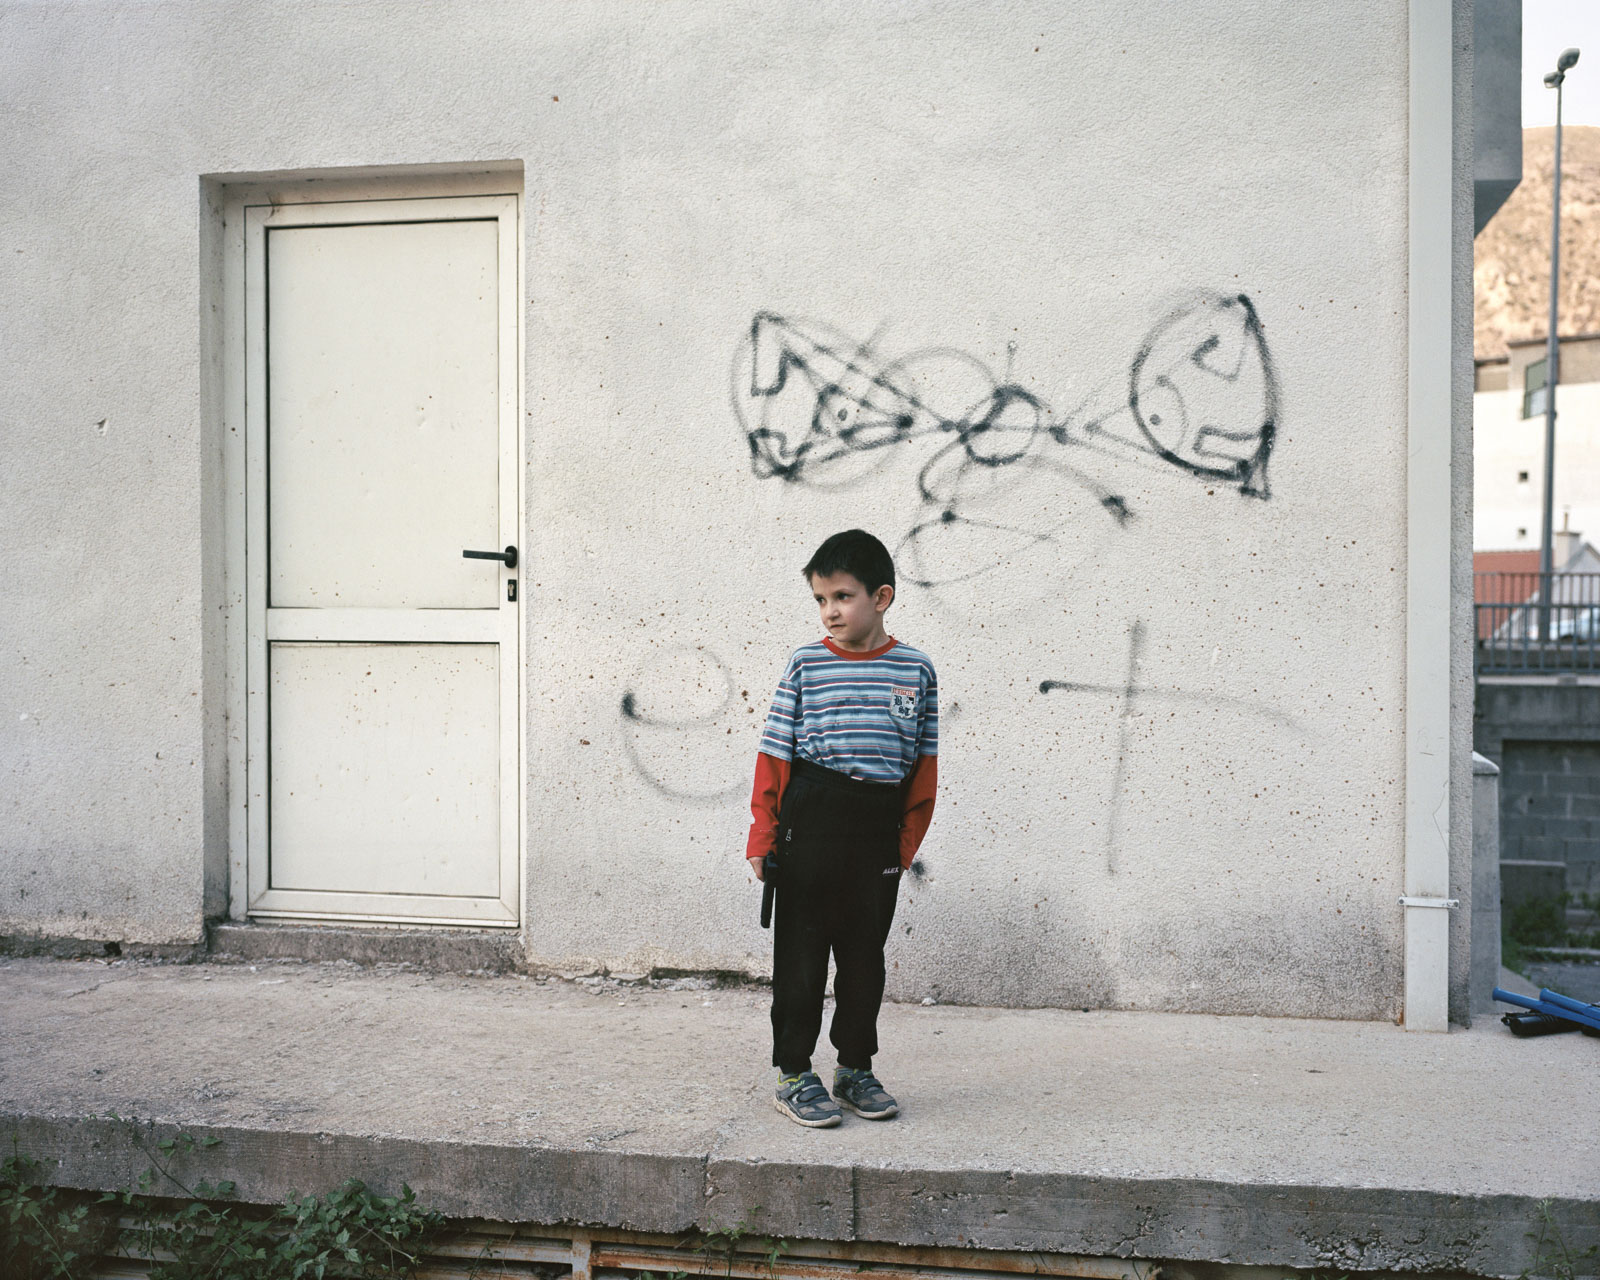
(1552, 358)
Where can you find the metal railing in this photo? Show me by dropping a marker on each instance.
(1537, 622)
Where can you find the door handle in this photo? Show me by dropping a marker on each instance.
(509, 555)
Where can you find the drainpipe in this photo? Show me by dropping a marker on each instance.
(1425, 902)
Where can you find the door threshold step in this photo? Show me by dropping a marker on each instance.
(437, 950)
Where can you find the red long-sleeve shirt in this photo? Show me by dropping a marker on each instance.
(772, 777)
(870, 713)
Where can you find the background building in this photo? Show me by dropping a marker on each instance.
(1511, 279)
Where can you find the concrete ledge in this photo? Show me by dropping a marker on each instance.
(814, 1201)
(1289, 1143)
(636, 1192)
(1351, 1229)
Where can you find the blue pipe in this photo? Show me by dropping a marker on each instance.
(1583, 1015)
(1567, 1002)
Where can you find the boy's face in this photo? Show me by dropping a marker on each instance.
(853, 618)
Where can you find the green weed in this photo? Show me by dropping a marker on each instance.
(1542, 922)
(48, 1233)
(193, 1232)
(1552, 1256)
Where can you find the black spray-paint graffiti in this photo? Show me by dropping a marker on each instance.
(818, 408)
(686, 728)
(1192, 423)
(1126, 694)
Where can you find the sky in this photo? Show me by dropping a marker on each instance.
(1548, 27)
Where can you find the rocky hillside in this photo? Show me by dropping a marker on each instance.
(1511, 272)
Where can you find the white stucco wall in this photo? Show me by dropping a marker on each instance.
(1509, 512)
(1032, 186)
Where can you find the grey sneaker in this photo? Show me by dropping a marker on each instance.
(863, 1094)
(804, 1099)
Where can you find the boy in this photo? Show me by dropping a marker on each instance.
(843, 794)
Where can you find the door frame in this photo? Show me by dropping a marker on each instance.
(245, 690)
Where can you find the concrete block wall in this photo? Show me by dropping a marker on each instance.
(1550, 807)
(1545, 736)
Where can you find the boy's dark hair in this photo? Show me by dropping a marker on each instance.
(856, 552)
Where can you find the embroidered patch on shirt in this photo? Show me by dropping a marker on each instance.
(902, 703)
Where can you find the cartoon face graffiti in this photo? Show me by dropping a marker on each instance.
(1204, 393)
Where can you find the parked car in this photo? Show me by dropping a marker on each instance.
(1575, 622)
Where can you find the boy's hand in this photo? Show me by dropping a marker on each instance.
(756, 866)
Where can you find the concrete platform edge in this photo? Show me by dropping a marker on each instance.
(637, 1192)
(1342, 1228)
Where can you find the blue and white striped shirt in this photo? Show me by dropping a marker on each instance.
(868, 717)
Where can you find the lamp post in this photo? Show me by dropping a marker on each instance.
(1552, 359)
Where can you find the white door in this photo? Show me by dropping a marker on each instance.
(381, 412)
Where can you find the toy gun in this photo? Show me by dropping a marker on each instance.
(769, 867)
(1555, 1005)
(1524, 1024)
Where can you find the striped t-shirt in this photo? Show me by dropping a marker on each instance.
(868, 717)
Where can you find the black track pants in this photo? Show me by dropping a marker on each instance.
(838, 855)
